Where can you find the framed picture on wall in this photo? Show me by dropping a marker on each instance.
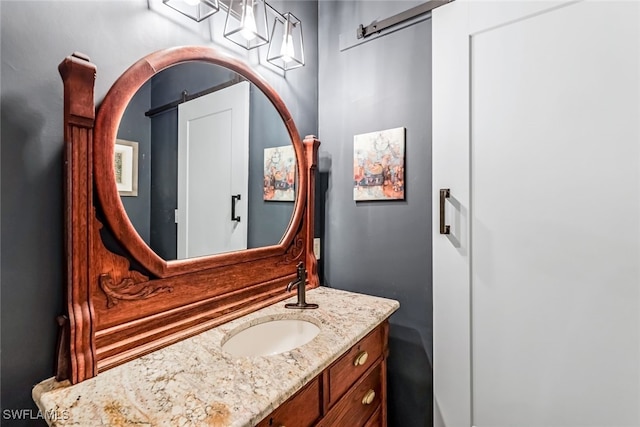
(378, 165)
(279, 173)
(125, 167)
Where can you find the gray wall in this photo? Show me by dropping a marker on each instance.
(35, 37)
(267, 220)
(381, 248)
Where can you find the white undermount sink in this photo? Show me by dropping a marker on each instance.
(271, 337)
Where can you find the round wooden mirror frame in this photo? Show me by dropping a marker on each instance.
(108, 120)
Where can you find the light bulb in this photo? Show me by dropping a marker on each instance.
(192, 2)
(249, 27)
(286, 50)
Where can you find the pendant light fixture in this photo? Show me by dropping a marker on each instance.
(246, 23)
(286, 50)
(197, 10)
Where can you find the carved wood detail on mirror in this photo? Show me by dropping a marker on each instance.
(122, 300)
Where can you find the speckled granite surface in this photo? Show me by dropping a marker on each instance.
(195, 383)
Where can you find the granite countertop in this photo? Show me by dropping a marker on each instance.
(195, 383)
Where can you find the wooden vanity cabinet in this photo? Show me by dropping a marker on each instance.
(303, 409)
(359, 403)
(350, 392)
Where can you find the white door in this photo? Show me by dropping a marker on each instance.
(213, 146)
(536, 293)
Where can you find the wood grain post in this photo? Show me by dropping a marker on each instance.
(311, 144)
(76, 349)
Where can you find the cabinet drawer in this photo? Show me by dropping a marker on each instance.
(358, 405)
(303, 409)
(376, 419)
(344, 372)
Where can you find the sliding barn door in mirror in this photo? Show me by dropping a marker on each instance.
(213, 160)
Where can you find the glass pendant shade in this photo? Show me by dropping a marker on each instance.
(286, 50)
(194, 9)
(246, 23)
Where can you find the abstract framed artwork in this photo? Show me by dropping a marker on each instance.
(279, 173)
(125, 166)
(378, 165)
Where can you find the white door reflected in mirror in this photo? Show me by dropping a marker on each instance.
(213, 155)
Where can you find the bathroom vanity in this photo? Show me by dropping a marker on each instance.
(145, 338)
(336, 379)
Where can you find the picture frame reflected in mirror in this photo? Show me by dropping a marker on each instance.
(279, 174)
(125, 167)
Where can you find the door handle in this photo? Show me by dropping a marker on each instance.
(234, 217)
(444, 195)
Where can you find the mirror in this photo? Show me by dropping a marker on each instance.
(108, 120)
(204, 136)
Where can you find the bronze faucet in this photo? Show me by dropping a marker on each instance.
(300, 282)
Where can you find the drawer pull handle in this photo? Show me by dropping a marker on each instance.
(361, 358)
(368, 398)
